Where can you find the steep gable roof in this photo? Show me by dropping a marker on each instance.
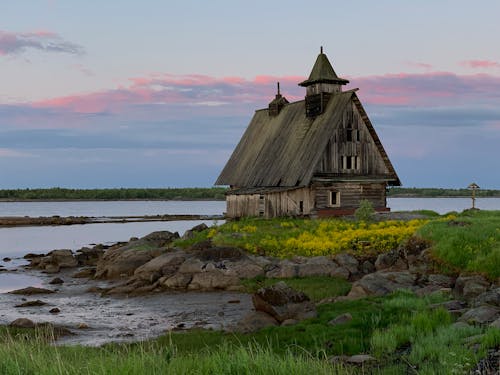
(284, 150)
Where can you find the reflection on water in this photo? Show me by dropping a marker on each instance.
(441, 205)
(13, 281)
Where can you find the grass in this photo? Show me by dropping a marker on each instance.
(468, 242)
(399, 329)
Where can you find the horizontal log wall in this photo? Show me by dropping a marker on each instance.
(351, 194)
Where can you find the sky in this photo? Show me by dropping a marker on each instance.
(122, 93)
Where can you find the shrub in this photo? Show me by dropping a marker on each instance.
(365, 212)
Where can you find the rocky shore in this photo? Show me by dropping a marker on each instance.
(102, 284)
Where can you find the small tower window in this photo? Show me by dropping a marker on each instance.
(334, 198)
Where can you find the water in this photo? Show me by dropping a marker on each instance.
(441, 205)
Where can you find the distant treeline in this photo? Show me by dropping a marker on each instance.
(196, 193)
(113, 194)
(436, 192)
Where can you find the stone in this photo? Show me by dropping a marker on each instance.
(56, 281)
(282, 302)
(386, 260)
(164, 265)
(212, 280)
(31, 303)
(89, 257)
(341, 319)
(123, 260)
(191, 265)
(440, 281)
(82, 326)
(84, 273)
(359, 359)
(6, 259)
(289, 322)
(245, 269)
(317, 266)
(481, 315)
(192, 232)
(450, 305)
(367, 267)
(490, 297)
(341, 273)
(382, 283)
(220, 253)
(177, 281)
(255, 321)
(495, 324)
(31, 290)
(348, 261)
(55, 310)
(284, 270)
(63, 258)
(470, 287)
(22, 323)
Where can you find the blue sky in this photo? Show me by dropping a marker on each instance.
(158, 93)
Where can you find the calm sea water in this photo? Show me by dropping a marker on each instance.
(15, 242)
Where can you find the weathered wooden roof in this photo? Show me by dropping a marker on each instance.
(322, 71)
(284, 150)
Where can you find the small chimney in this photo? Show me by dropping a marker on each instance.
(277, 104)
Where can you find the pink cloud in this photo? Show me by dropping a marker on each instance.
(12, 43)
(402, 89)
(419, 65)
(480, 64)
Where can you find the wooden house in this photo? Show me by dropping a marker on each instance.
(318, 157)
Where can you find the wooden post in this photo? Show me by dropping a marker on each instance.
(473, 187)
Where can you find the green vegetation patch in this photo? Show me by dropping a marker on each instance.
(285, 238)
(469, 241)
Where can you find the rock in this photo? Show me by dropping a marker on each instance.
(89, 257)
(284, 270)
(212, 280)
(490, 297)
(124, 260)
(6, 259)
(84, 273)
(31, 303)
(22, 323)
(359, 359)
(31, 290)
(341, 319)
(367, 267)
(440, 281)
(255, 321)
(382, 283)
(192, 232)
(348, 261)
(51, 268)
(191, 265)
(289, 322)
(341, 273)
(164, 265)
(244, 269)
(33, 256)
(55, 310)
(283, 302)
(386, 260)
(496, 323)
(449, 305)
(317, 266)
(56, 281)
(82, 326)
(481, 315)
(177, 281)
(470, 286)
(63, 258)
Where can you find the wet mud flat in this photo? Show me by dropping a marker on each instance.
(97, 320)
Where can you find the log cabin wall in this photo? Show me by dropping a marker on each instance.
(350, 194)
(294, 202)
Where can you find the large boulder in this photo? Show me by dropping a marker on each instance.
(55, 260)
(212, 280)
(490, 297)
(124, 260)
(481, 315)
(164, 265)
(317, 266)
(255, 321)
(244, 269)
(283, 303)
(470, 287)
(283, 270)
(192, 232)
(349, 262)
(89, 257)
(382, 283)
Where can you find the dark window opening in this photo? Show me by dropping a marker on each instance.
(334, 198)
(301, 207)
(349, 135)
(348, 163)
